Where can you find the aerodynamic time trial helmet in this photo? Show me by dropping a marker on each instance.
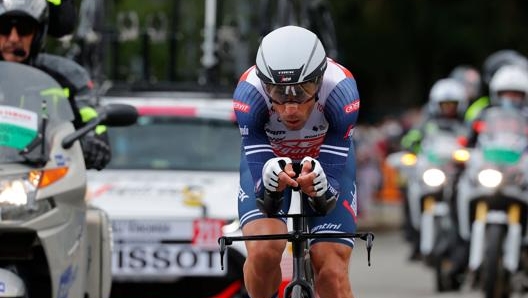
(290, 63)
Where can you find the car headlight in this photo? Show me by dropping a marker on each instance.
(434, 177)
(489, 178)
(18, 194)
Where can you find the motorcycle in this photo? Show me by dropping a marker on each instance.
(493, 202)
(430, 195)
(52, 243)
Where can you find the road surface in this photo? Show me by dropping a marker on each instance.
(391, 274)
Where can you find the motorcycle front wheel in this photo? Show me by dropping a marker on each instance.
(495, 278)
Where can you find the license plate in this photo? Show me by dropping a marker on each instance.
(164, 261)
(165, 250)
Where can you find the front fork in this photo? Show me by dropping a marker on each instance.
(512, 242)
(428, 229)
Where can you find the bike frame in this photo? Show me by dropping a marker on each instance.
(298, 236)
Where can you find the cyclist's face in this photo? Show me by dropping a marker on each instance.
(294, 115)
(16, 35)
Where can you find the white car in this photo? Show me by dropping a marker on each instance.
(170, 191)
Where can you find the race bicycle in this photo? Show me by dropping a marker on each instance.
(301, 284)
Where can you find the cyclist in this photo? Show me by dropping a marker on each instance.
(23, 27)
(297, 106)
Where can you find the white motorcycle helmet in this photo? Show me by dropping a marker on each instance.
(290, 63)
(444, 91)
(509, 78)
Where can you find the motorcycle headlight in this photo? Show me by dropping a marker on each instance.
(461, 155)
(18, 194)
(434, 177)
(489, 178)
(408, 159)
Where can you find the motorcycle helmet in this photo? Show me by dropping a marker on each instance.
(509, 78)
(290, 63)
(36, 10)
(469, 76)
(500, 58)
(444, 93)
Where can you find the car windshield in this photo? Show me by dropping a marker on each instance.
(176, 144)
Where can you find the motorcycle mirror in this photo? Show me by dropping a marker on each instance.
(119, 115)
(111, 115)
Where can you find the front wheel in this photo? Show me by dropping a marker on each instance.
(299, 292)
(495, 278)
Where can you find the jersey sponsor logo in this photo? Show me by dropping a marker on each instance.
(275, 132)
(349, 132)
(298, 149)
(326, 226)
(277, 139)
(315, 136)
(240, 106)
(244, 130)
(352, 107)
(242, 195)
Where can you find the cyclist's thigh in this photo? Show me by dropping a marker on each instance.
(343, 217)
(247, 207)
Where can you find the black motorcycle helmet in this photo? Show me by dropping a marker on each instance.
(36, 10)
(500, 58)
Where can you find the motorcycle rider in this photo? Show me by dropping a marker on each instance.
(297, 105)
(444, 111)
(508, 88)
(447, 103)
(23, 29)
(491, 64)
(470, 77)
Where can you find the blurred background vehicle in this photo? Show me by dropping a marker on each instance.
(170, 192)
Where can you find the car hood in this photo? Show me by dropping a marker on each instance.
(138, 194)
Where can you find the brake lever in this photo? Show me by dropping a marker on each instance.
(370, 243)
(369, 239)
(224, 242)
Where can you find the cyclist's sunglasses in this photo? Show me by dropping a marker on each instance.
(23, 25)
(295, 93)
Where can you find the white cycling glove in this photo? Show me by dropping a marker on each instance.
(320, 182)
(271, 170)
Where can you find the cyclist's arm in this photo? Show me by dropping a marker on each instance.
(252, 113)
(341, 111)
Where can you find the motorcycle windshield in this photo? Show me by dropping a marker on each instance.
(439, 148)
(504, 138)
(27, 97)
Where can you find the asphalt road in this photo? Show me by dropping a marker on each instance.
(391, 275)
